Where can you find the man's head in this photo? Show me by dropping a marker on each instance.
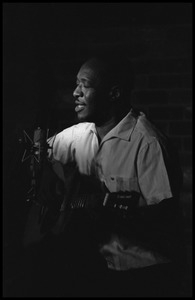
(103, 87)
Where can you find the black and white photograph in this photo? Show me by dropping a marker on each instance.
(97, 149)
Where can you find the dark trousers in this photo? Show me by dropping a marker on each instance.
(85, 274)
(154, 281)
(70, 266)
(53, 271)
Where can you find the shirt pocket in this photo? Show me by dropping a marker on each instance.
(121, 184)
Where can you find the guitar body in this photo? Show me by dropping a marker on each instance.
(44, 209)
(52, 211)
(41, 221)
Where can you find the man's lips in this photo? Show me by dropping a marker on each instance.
(79, 106)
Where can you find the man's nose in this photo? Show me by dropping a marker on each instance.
(77, 92)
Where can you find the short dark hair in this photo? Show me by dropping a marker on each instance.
(118, 68)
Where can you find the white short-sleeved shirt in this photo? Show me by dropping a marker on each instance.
(129, 158)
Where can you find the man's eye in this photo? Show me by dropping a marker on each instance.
(83, 84)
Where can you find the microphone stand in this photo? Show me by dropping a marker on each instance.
(36, 150)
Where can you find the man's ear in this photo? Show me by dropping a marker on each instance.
(115, 93)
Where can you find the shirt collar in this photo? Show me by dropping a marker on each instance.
(123, 129)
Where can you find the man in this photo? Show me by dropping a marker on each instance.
(135, 237)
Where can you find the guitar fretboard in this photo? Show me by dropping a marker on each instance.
(121, 201)
(84, 200)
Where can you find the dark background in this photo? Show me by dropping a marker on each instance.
(43, 47)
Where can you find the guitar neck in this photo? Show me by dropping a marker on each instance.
(118, 201)
(84, 201)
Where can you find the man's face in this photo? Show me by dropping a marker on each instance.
(90, 93)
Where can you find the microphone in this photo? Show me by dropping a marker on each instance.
(36, 150)
(36, 147)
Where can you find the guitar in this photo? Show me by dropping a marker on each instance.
(84, 194)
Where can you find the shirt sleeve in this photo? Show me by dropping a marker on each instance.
(152, 174)
(62, 146)
(61, 150)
